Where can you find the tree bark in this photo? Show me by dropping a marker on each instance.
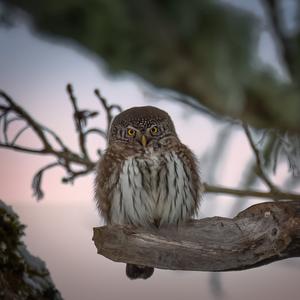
(261, 234)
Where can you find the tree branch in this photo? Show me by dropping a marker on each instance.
(107, 108)
(80, 120)
(13, 107)
(65, 157)
(278, 195)
(259, 235)
(37, 181)
(259, 165)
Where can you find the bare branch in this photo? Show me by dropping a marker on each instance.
(5, 127)
(18, 134)
(74, 175)
(37, 181)
(80, 121)
(188, 101)
(260, 171)
(13, 120)
(259, 235)
(275, 151)
(64, 156)
(278, 195)
(26, 117)
(22, 149)
(96, 130)
(56, 137)
(290, 146)
(108, 108)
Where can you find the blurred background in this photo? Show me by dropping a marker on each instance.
(209, 64)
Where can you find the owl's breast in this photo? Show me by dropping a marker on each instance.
(153, 188)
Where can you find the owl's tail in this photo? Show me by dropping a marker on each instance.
(138, 272)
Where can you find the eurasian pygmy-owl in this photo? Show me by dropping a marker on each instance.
(146, 177)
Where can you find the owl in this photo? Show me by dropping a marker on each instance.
(146, 176)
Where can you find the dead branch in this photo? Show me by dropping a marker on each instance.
(108, 108)
(259, 235)
(278, 195)
(37, 180)
(80, 119)
(259, 165)
(10, 112)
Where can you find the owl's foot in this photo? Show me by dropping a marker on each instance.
(138, 272)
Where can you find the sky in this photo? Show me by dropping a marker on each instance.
(34, 70)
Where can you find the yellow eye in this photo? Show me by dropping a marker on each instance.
(130, 132)
(154, 130)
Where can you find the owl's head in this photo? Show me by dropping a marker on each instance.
(144, 126)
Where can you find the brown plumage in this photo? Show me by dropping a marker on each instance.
(146, 177)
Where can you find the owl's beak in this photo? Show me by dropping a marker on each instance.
(144, 140)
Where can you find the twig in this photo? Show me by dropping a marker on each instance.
(278, 195)
(108, 108)
(70, 179)
(186, 100)
(80, 121)
(64, 156)
(5, 127)
(22, 149)
(37, 181)
(25, 116)
(19, 134)
(260, 171)
(96, 130)
(56, 137)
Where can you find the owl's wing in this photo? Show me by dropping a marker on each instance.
(107, 175)
(190, 165)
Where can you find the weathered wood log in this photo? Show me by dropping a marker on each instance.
(261, 234)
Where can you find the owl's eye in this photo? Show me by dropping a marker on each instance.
(130, 132)
(154, 130)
